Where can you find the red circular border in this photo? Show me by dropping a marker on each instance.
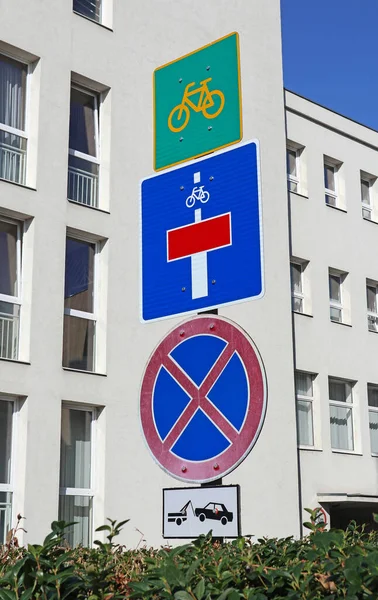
(214, 468)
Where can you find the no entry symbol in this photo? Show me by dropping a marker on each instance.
(203, 399)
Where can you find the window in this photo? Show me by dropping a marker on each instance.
(297, 297)
(341, 414)
(76, 486)
(330, 183)
(13, 138)
(6, 418)
(10, 271)
(88, 8)
(371, 301)
(373, 417)
(366, 199)
(79, 305)
(83, 154)
(335, 296)
(305, 397)
(292, 162)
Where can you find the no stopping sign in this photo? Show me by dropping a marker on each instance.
(203, 399)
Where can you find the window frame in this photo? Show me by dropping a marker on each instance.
(337, 305)
(74, 312)
(309, 400)
(10, 487)
(327, 191)
(22, 133)
(350, 405)
(293, 179)
(371, 409)
(91, 491)
(17, 300)
(82, 155)
(297, 295)
(364, 206)
(371, 315)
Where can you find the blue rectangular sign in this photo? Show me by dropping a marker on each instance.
(201, 243)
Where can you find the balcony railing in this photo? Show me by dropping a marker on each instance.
(5, 515)
(9, 334)
(82, 186)
(12, 163)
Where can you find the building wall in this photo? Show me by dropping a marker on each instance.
(119, 62)
(339, 239)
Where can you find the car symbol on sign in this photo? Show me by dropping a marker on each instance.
(214, 511)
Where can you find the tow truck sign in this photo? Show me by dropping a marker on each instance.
(190, 512)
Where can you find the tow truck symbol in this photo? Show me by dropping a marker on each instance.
(213, 511)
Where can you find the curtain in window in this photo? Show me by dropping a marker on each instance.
(329, 177)
(75, 461)
(8, 259)
(365, 192)
(334, 287)
(341, 428)
(12, 93)
(78, 510)
(371, 298)
(303, 384)
(338, 391)
(6, 410)
(82, 123)
(373, 426)
(305, 426)
(291, 158)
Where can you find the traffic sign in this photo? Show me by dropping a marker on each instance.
(197, 103)
(203, 399)
(201, 234)
(192, 511)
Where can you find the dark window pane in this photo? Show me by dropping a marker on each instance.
(12, 93)
(78, 292)
(82, 122)
(75, 455)
(78, 343)
(373, 396)
(8, 259)
(88, 8)
(6, 409)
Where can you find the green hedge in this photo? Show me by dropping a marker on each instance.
(325, 564)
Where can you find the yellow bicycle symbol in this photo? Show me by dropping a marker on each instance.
(178, 122)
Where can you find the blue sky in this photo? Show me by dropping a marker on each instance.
(330, 54)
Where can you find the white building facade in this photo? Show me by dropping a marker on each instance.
(75, 140)
(332, 175)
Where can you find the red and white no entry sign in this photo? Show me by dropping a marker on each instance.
(203, 399)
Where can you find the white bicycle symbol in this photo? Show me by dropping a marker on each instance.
(198, 193)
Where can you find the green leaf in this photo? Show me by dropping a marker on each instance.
(27, 594)
(226, 594)
(104, 528)
(182, 595)
(200, 589)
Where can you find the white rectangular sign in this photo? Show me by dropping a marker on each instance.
(190, 512)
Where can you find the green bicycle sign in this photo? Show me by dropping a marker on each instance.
(197, 103)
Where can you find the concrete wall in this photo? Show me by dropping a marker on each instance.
(145, 34)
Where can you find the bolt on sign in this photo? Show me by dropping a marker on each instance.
(197, 103)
